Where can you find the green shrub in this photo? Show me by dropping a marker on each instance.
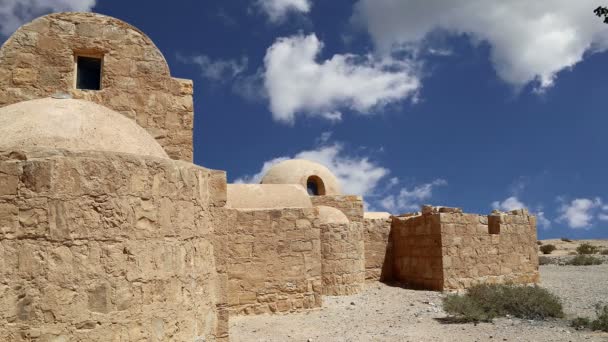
(580, 323)
(587, 248)
(566, 240)
(600, 323)
(604, 252)
(584, 260)
(482, 303)
(547, 249)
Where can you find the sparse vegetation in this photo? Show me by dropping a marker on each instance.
(586, 249)
(547, 249)
(482, 303)
(543, 260)
(540, 243)
(566, 240)
(604, 252)
(584, 260)
(600, 323)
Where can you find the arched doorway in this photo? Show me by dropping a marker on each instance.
(315, 186)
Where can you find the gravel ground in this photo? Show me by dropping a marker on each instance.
(580, 287)
(384, 313)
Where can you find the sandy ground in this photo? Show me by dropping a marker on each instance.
(384, 313)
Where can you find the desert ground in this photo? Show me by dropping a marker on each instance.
(385, 313)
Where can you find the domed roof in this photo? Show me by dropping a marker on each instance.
(267, 196)
(73, 125)
(303, 172)
(329, 215)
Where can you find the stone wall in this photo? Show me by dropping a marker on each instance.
(474, 252)
(343, 262)
(445, 249)
(39, 61)
(416, 243)
(107, 247)
(270, 258)
(351, 206)
(378, 249)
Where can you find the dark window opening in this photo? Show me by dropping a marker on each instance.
(315, 186)
(88, 73)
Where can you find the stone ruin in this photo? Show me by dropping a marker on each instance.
(108, 232)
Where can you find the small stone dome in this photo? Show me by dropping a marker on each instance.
(314, 177)
(75, 125)
(329, 215)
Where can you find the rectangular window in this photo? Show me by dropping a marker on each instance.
(88, 72)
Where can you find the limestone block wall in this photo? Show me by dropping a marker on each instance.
(378, 249)
(351, 206)
(39, 61)
(270, 258)
(107, 247)
(417, 252)
(445, 249)
(343, 262)
(476, 252)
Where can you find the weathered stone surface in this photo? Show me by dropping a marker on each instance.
(108, 247)
(270, 258)
(447, 250)
(39, 61)
(343, 258)
(378, 246)
(351, 206)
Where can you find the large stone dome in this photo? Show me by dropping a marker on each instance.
(312, 176)
(75, 125)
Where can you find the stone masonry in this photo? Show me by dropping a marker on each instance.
(270, 259)
(343, 261)
(107, 247)
(445, 249)
(378, 249)
(39, 61)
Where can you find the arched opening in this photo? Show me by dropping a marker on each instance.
(315, 186)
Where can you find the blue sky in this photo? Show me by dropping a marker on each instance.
(491, 104)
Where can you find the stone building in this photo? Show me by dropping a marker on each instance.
(108, 232)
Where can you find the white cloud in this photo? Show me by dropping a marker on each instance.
(511, 203)
(257, 178)
(603, 216)
(357, 175)
(216, 70)
(277, 10)
(529, 40)
(297, 83)
(410, 199)
(541, 219)
(579, 213)
(14, 13)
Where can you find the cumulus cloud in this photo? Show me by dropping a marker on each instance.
(580, 212)
(410, 199)
(514, 203)
(14, 13)
(216, 70)
(277, 10)
(603, 216)
(298, 83)
(530, 41)
(511, 203)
